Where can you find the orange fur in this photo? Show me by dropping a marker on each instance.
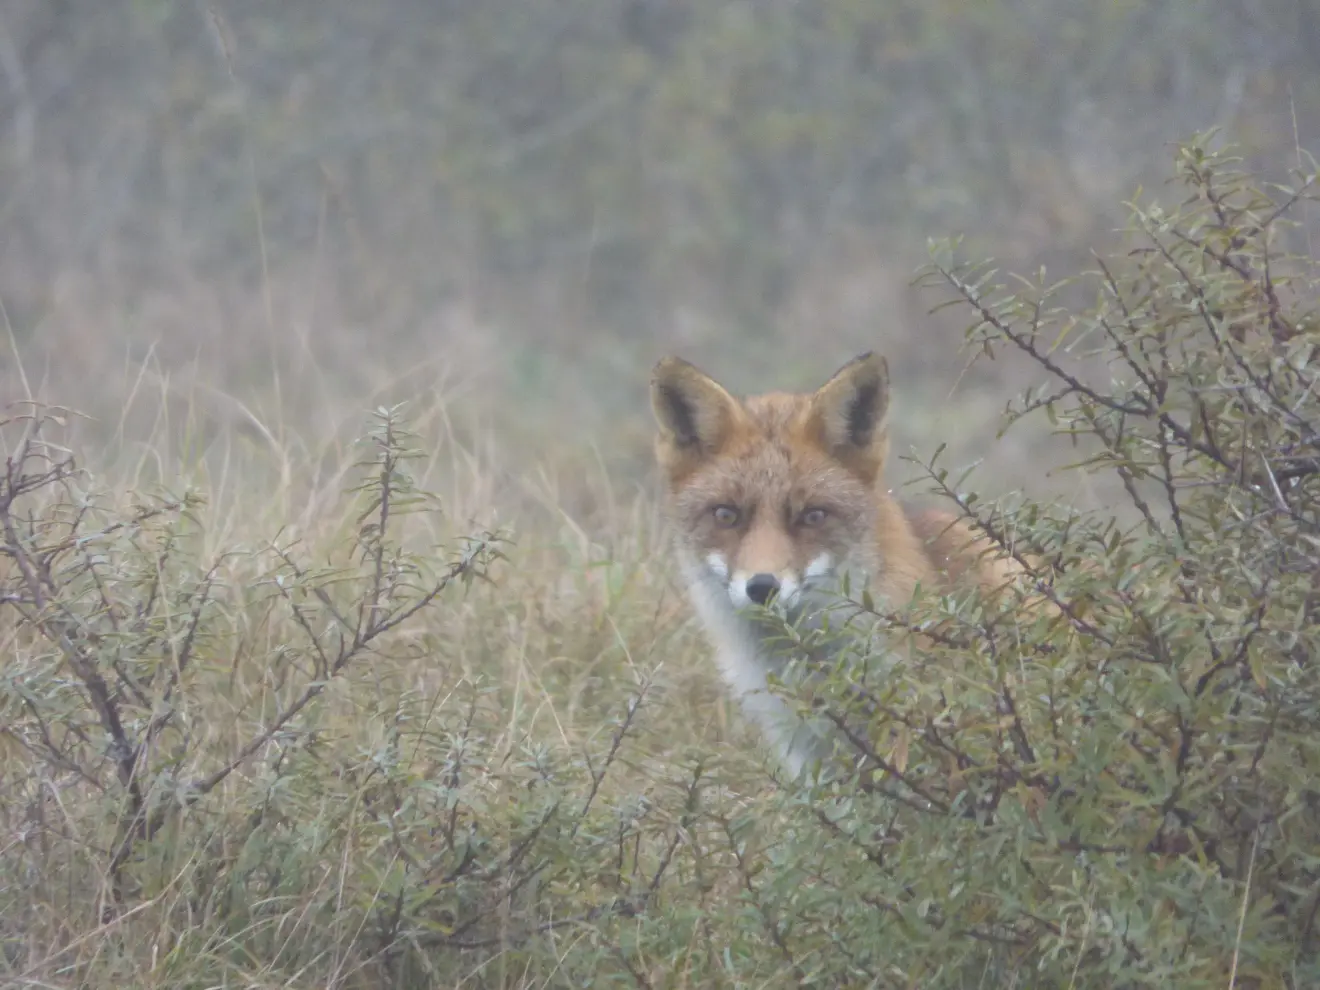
(774, 497)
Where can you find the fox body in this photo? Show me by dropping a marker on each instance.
(774, 498)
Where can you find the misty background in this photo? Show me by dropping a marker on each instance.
(247, 218)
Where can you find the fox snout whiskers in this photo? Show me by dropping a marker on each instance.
(767, 588)
(782, 590)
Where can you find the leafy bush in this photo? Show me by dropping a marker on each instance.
(1120, 788)
(306, 760)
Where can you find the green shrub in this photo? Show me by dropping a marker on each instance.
(1120, 791)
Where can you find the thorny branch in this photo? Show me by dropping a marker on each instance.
(92, 640)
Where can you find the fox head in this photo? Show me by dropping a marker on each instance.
(773, 494)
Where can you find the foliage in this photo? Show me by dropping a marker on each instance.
(308, 759)
(1116, 786)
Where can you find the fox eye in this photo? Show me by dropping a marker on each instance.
(725, 515)
(812, 517)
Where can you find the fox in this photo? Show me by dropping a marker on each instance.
(773, 499)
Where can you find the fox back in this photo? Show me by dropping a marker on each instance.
(774, 498)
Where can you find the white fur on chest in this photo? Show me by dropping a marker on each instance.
(746, 662)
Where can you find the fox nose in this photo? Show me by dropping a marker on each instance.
(760, 587)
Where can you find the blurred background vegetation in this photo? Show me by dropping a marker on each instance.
(276, 215)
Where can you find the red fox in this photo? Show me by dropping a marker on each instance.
(774, 498)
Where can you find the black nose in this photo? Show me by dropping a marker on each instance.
(760, 587)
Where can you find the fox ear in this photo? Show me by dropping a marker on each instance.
(694, 412)
(848, 414)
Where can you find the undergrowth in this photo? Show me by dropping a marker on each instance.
(375, 748)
